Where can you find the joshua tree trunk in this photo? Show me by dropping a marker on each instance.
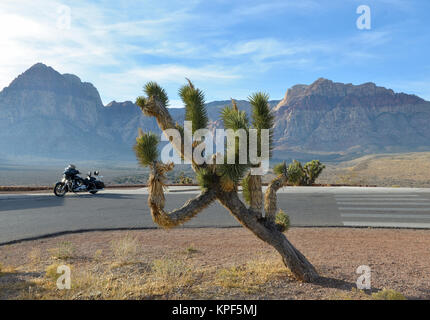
(270, 198)
(266, 230)
(256, 201)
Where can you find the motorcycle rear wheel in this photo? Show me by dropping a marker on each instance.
(60, 189)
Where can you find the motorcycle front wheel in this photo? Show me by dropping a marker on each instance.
(60, 189)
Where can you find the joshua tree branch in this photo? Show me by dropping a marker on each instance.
(153, 108)
(270, 198)
(179, 216)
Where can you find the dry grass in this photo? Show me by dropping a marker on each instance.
(388, 294)
(157, 264)
(124, 250)
(384, 294)
(64, 251)
(250, 277)
(51, 272)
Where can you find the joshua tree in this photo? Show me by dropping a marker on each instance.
(313, 169)
(218, 181)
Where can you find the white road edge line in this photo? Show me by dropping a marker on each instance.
(384, 215)
(369, 195)
(386, 224)
(380, 199)
(383, 209)
(384, 203)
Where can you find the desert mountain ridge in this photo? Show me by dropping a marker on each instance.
(47, 114)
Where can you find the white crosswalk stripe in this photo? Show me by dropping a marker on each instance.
(384, 210)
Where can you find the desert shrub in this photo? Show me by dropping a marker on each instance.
(191, 250)
(51, 272)
(34, 256)
(168, 276)
(251, 276)
(98, 254)
(64, 251)
(388, 294)
(125, 248)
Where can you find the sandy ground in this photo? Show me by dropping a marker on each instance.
(399, 259)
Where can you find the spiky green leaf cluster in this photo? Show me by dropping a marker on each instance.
(195, 110)
(280, 168)
(146, 148)
(245, 190)
(234, 119)
(152, 89)
(205, 178)
(235, 172)
(141, 101)
(282, 220)
(262, 117)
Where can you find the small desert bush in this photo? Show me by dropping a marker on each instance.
(64, 251)
(250, 276)
(190, 250)
(98, 254)
(51, 272)
(35, 256)
(388, 294)
(125, 248)
(168, 276)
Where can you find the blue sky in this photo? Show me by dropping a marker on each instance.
(228, 48)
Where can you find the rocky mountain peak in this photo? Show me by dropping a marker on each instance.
(324, 91)
(43, 78)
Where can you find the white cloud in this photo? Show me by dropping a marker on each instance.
(127, 85)
(29, 33)
(259, 8)
(177, 73)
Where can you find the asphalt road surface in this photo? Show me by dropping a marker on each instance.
(27, 216)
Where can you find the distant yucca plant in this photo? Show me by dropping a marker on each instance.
(296, 174)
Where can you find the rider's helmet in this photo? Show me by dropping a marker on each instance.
(72, 166)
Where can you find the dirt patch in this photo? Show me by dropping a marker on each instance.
(216, 264)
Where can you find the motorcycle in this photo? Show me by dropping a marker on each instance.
(72, 182)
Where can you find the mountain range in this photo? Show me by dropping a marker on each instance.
(45, 114)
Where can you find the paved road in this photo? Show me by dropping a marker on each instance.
(29, 216)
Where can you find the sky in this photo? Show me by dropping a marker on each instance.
(228, 48)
